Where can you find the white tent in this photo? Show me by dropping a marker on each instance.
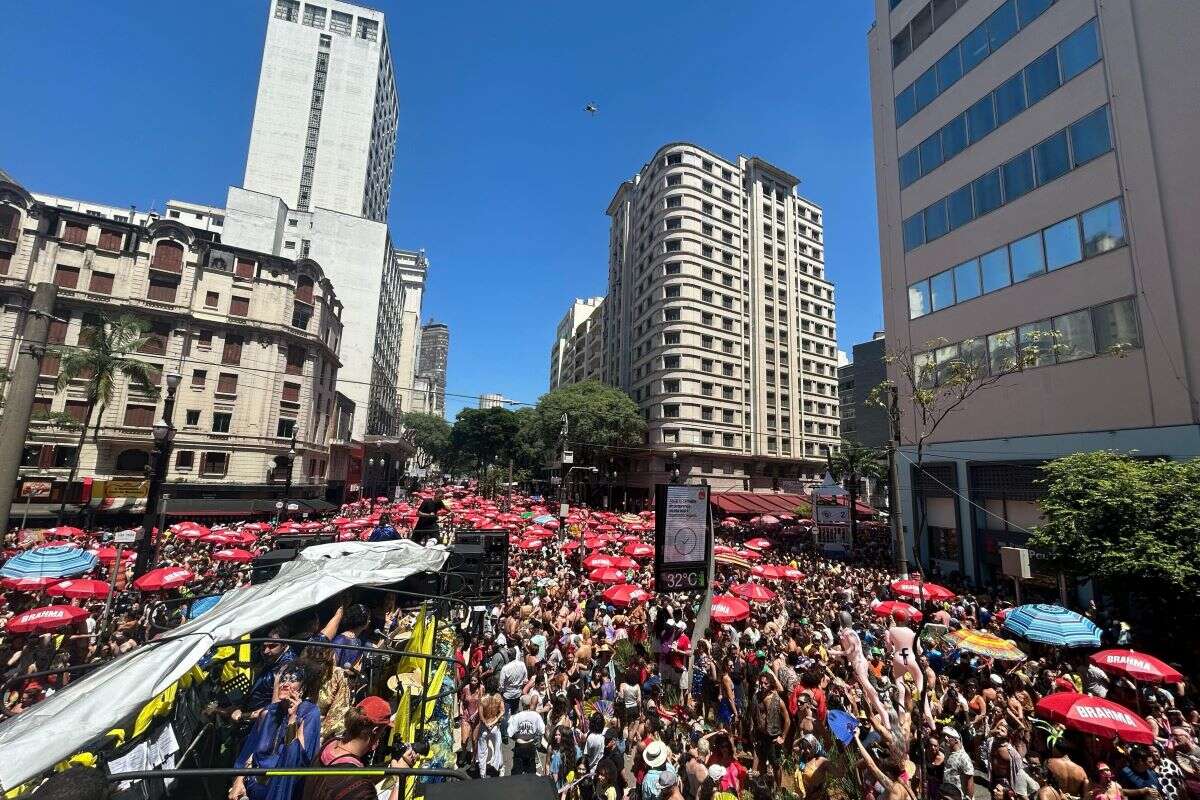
(64, 723)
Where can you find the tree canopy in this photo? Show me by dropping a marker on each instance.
(430, 433)
(482, 437)
(600, 417)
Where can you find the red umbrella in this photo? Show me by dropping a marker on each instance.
(753, 591)
(727, 608)
(900, 610)
(607, 575)
(65, 532)
(216, 537)
(624, 562)
(759, 543)
(538, 532)
(571, 545)
(1096, 716)
(623, 594)
(235, 555)
(311, 526)
(1139, 666)
(749, 555)
(597, 561)
(28, 584)
(913, 588)
(108, 555)
(719, 549)
(777, 572)
(530, 544)
(193, 534)
(164, 578)
(80, 589)
(242, 537)
(47, 618)
(638, 550)
(730, 522)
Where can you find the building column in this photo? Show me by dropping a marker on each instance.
(966, 521)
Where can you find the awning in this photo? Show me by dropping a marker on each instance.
(211, 507)
(862, 508)
(754, 504)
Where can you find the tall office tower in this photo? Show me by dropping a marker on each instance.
(493, 400)
(578, 351)
(719, 319)
(1037, 189)
(413, 268)
(435, 350)
(324, 132)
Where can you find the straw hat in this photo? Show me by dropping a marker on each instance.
(491, 709)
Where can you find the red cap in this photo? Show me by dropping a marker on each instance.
(376, 709)
(1064, 684)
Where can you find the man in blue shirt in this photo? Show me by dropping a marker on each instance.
(275, 656)
(1138, 778)
(383, 532)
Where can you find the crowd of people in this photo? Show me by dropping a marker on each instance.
(831, 680)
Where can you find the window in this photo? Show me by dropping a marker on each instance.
(670, 410)
(960, 209)
(1074, 338)
(139, 416)
(1027, 257)
(906, 105)
(1103, 229)
(981, 119)
(232, 353)
(1018, 176)
(975, 48)
(1089, 136)
(1062, 244)
(301, 315)
(74, 232)
(76, 410)
(168, 256)
(185, 459)
(1079, 51)
(945, 358)
(941, 290)
(314, 16)
(285, 428)
(291, 393)
(244, 269)
(931, 153)
(1010, 97)
(66, 277)
(935, 221)
(199, 378)
(287, 10)
(925, 88)
(918, 300)
(368, 29)
(101, 283)
(1051, 158)
(994, 268)
(211, 299)
(110, 240)
(949, 69)
(214, 464)
(1041, 76)
(131, 461)
(5, 263)
(910, 167)
(954, 137)
(1116, 326)
(1002, 25)
(295, 360)
(221, 421)
(966, 281)
(192, 417)
(227, 383)
(341, 22)
(239, 306)
(1002, 351)
(162, 289)
(673, 245)
(1037, 344)
(914, 232)
(204, 340)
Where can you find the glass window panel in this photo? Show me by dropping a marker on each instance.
(1073, 338)
(931, 154)
(918, 300)
(1002, 25)
(901, 47)
(942, 11)
(1079, 51)
(959, 207)
(914, 232)
(925, 88)
(923, 370)
(1116, 326)
(1037, 344)
(1041, 76)
(1002, 351)
(935, 221)
(1029, 10)
(1051, 158)
(981, 119)
(954, 137)
(922, 26)
(987, 192)
(1062, 244)
(941, 290)
(1018, 176)
(944, 357)
(973, 353)
(994, 268)
(906, 106)
(975, 48)
(1089, 136)
(1103, 229)
(910, 167)
(949, 69)
(966, 281)
(1010, 99)
(1027, 257)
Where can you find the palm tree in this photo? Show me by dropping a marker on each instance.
(103, 354)
(851, 463)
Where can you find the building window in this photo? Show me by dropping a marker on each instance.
(286, 428)
(5, 263)
(214, 464)
(101, 283)
(199, 378)
(66, 277)
(162, 289)
(295, 360)
(671, 410)
(1116, 326)
(314, 16)
(227, 383)
(211, 299)
(131, 461)
(239, 306)
(368, 29)
(139, 416)
(168, 256)
(1103, 229)
(291, 393)
(74, 232)
(192, 417)
(110, 240)
(341, 23)
(244, 269)
(287, 10)
(10, 223)
(220, 421)
(232, 353)
(185, 460)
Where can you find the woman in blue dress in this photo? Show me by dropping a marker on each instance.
(287, 734)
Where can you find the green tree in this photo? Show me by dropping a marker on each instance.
(482, 437)
(851, 463)
(104, 354)
(599, 417)
(431, 435)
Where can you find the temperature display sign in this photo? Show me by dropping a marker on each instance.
(683, 544)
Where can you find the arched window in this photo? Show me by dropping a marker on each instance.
(168, 256)
(132, 461)
(304, 289)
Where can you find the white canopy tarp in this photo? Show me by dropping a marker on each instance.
(64, 723)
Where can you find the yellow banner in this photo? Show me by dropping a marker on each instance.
(126, 487)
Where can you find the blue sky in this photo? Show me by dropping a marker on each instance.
(500, 174)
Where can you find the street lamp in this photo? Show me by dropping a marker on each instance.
(164, 435)
(673, 467)
(291, 459)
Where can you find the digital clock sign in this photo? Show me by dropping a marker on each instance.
(683, 541)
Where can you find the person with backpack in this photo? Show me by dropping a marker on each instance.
(366, 725)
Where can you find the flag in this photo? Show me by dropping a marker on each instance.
(411, 663)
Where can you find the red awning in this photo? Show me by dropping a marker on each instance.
(751, 504)
(862, 508)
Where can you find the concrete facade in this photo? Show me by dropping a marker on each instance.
(862, 421)
(414, 268)
(493, 400)
(324, 132)
(719, 319)
(1035, 176)
(583, 315)
(432, 362)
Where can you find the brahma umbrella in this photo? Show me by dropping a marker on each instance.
(749, 555)
(753, 591)
(164, 579)
(897, 609)
(234, 554)
(45, 619)
(80, 589)
(759, 543)
(624, 562)
(639, 550)
(28, 584)
(58, 561)
(531, 544)
(777, 572)
(727, 608)
(1139, 666)
(598, 561)
(623, 594)
(65, 532)
(1053, 625)
(607, 575)
(108, 555)
(916, 590)
(1095, 715)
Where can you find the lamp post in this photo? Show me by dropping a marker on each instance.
(368, 487)
(673, 467)
(164, 436)
(291, 460)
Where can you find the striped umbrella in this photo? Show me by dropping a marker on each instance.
(986, 644)
(61, 561)
(732, 560)
(1053, 625)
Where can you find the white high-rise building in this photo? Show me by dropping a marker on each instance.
(413, 269)
(324, 132)
(578, 351)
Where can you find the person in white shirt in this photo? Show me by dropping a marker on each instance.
(526, 729)
(512, 680)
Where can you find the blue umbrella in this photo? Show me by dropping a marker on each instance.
(60, 561)
(202, 605)
(1053, 625)
(543, 519)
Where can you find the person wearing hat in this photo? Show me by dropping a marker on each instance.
(365, 726)
(489, 757)
(958, 770)
(669, 787)
(657, 758)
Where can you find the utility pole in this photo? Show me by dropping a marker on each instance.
(563, 472)
(14, 425)
(894, 515)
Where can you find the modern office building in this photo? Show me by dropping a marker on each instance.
(719, 320)
(583, 315)
(324, 132)
(493, 400)
(862, 420)
(253, 338)
(1037, 193)
(431, 363)
(414, 267)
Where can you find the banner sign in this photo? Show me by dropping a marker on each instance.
(36, 490)
(683, 538)
(127, 487)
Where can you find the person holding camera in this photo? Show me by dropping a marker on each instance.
(366, 725)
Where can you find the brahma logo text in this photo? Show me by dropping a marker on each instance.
(1094, 712)
(1128, 661)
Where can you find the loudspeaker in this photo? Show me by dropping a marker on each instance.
(301, 542)
(479, 562)
(266, 566)
(514, 787)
